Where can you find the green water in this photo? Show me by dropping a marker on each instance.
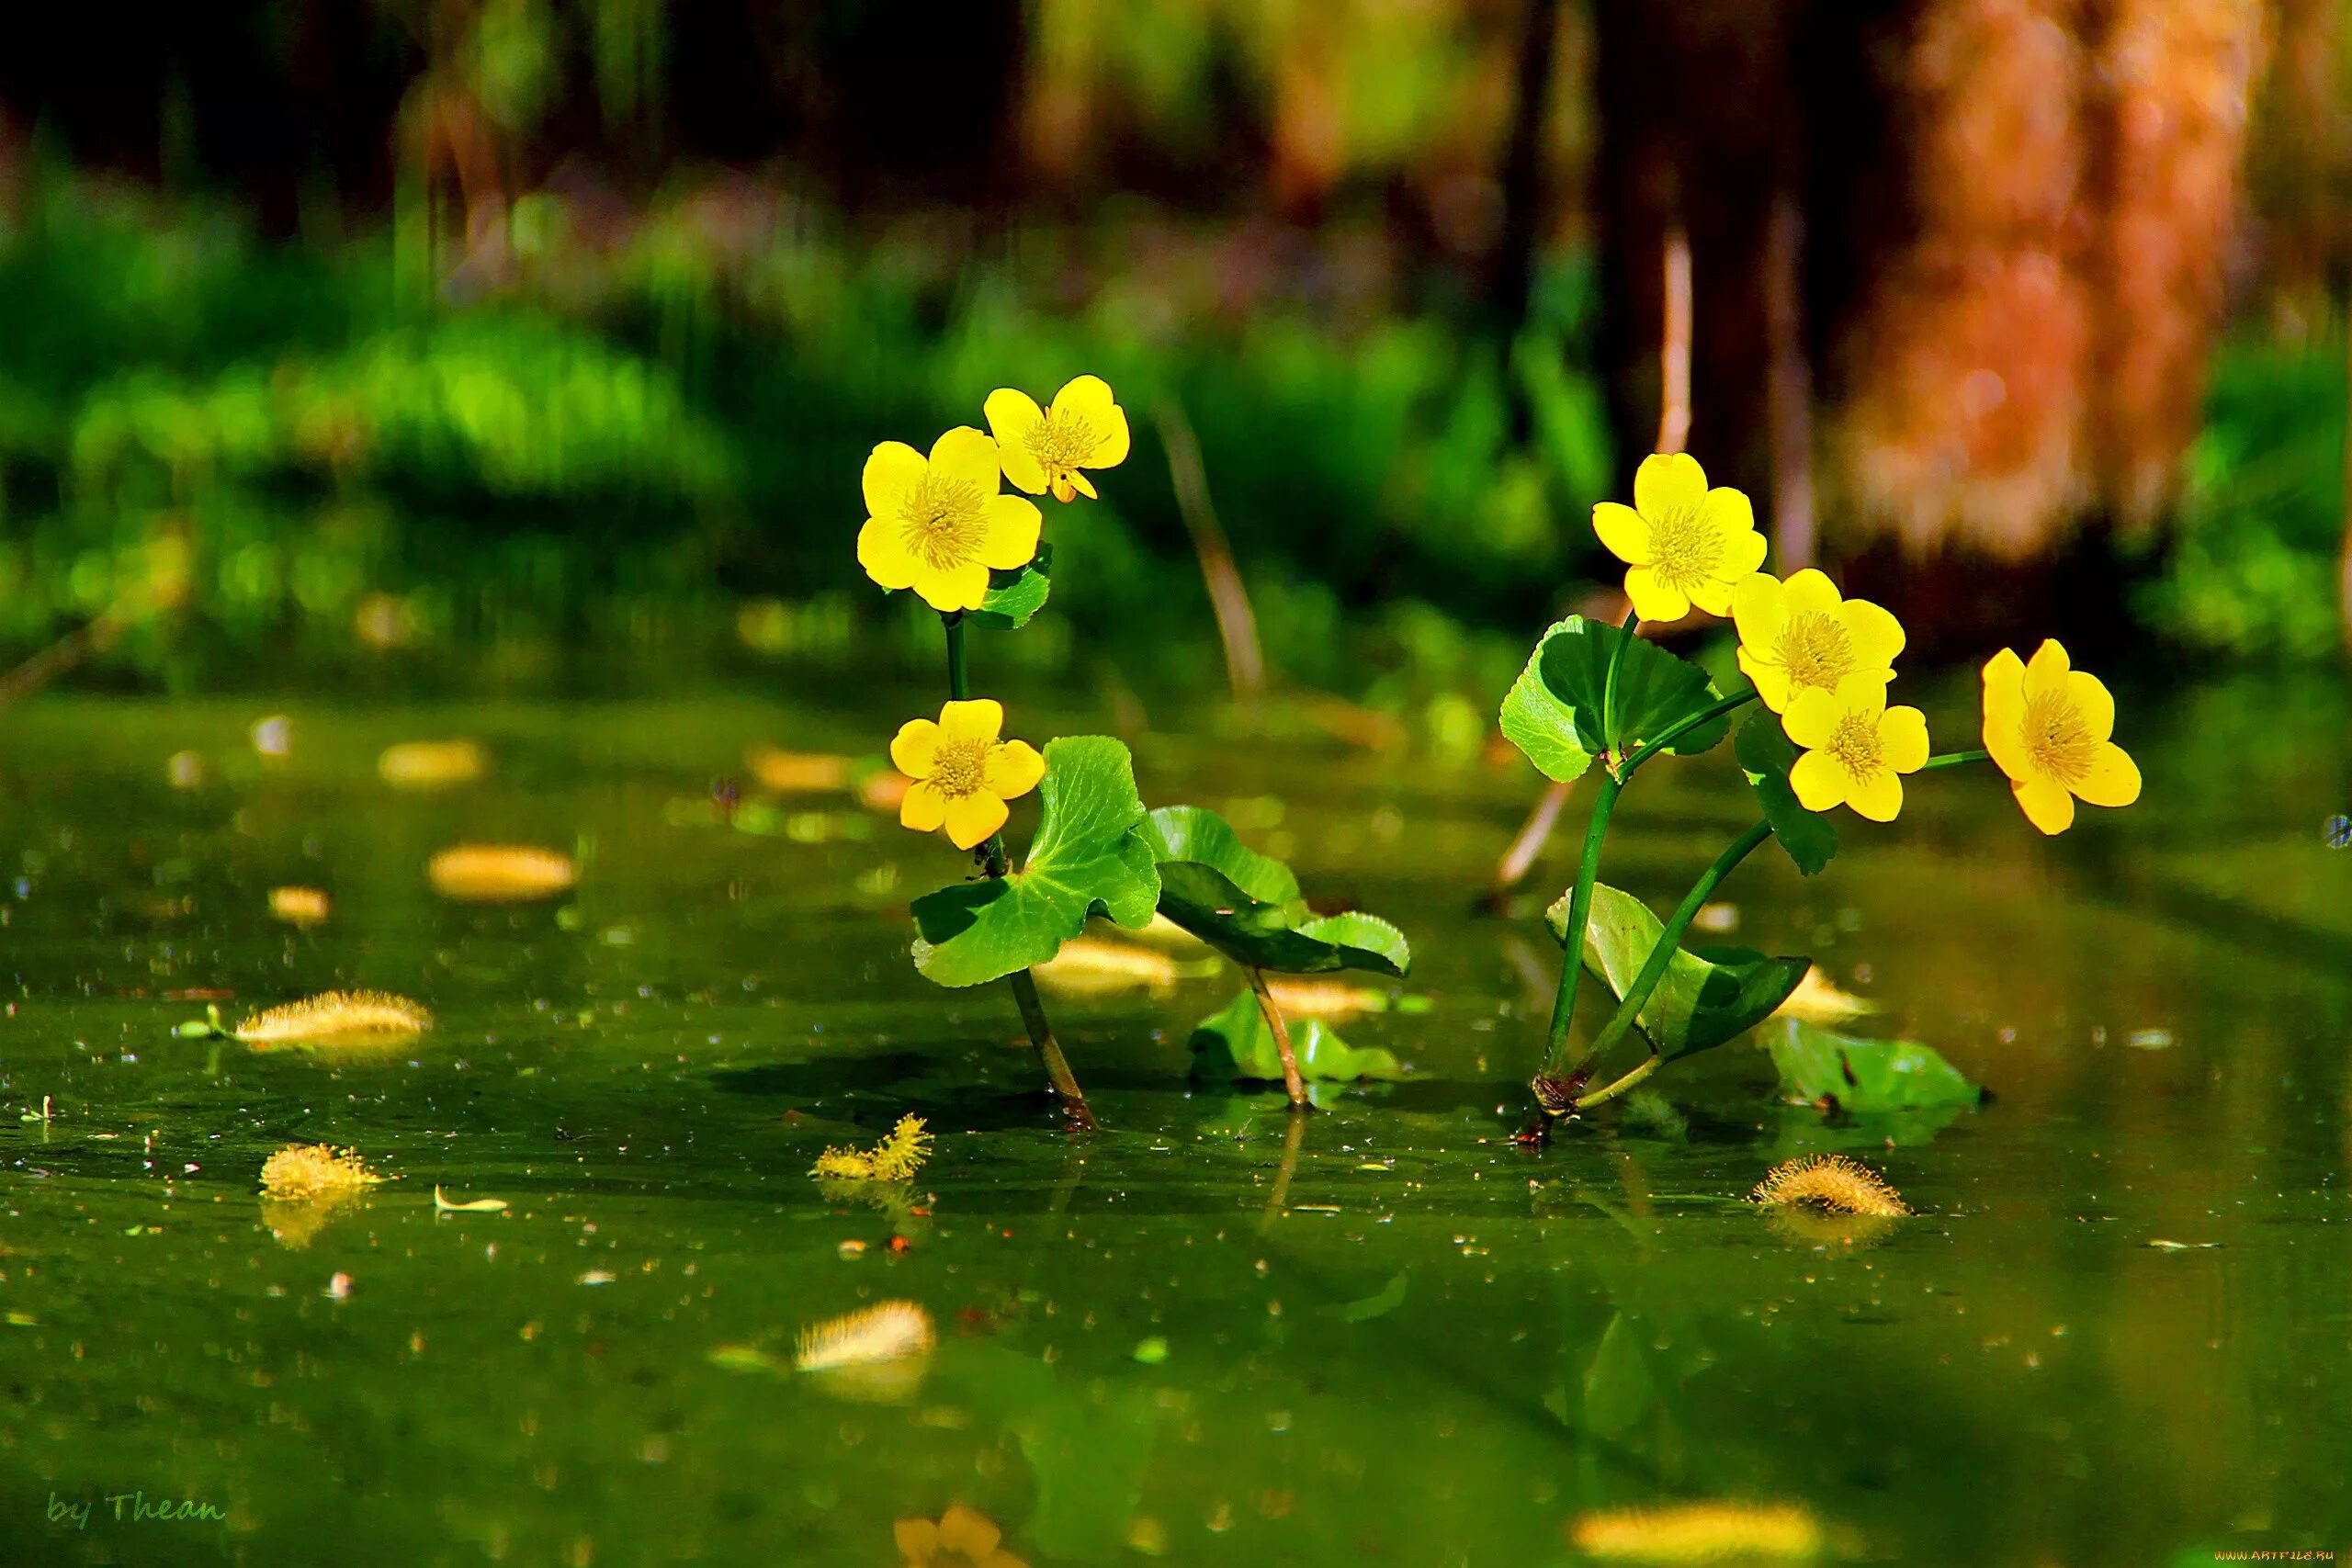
(1388, 1336)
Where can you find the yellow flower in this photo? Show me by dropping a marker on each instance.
(1800, 633)
(1855, 746)
(2047, 727)
(1688, 545)
(963, 775)
(1045, 450)
(962, 1536)
(939, 525)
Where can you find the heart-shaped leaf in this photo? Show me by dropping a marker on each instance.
(1820, 1066)
(1089, 856)
(1236, 1044)
(1766, 754)
(1014, 596)
(1248, 906)
(1554, 712)
(1705, 998)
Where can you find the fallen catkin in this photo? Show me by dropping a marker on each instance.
(336, 1014)
(1700, 1532)
(888, 1331)
(896, 1158)
(1829, 1183)
(305, 1172)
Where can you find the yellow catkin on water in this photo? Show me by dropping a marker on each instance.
(1702, 1533)
(335, 1015)
(1829, 1184)
(300, 906)
(432, 764)
(493, 873)
(887, 1331)
(896, 1158)
(308, 1172)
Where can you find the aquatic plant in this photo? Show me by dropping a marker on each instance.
(896, 1158)
(1819, 665)
(307, 1172)
(1831, 1182)
(334, 1014)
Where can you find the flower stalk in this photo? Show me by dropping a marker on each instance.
(1293, 1081)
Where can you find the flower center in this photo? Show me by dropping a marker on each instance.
(943, 522)
(1855, 745)
(1816, 651)
(2058, 739)
(1060, 442)
(956, 767)
(1684, 551)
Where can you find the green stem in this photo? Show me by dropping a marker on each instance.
(1549, 1088)
(1607, 1092)
(1681, 727)
(1669, 939)
(1955, 758)
(1025, 986)
(1292, 1080)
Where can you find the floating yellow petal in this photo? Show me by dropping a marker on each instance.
(442, 1205)
(333, 1015)
(1831, 1183)
(432, 764)
(309, 1171)
(1687, 544)
(499, 874)
(1716, 1532)
(2047, 725)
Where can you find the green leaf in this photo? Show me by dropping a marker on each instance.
(1820, 1066)
(1248, 906)
(1766, 754)
(1236, 1044)
(1089, 856)
(1014, 596)
(1705, 998)
(1554, 710)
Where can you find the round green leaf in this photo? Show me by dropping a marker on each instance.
(1864, 1075)
(1248, 906)
(1766, 754)
(1090, 857)
(1705, 996)
(1014, 596)
(1236, 1044)
(1554, 712)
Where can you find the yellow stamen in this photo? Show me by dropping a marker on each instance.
(2058, 738)
(943, 521)
(957, 767)
(1060, 442)
(1854, 743)
(1684, 551)
(1816, 651)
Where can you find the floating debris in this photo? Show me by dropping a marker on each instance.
(800, 773)
(896, 1158)
(1818, 1000)
(305, 1172)
(1829, 1184)
(498, 874)
(432, 764)
(333, 1015)
(961, 1534)
(2161, 1244)
(2149, 1040)
(1702, 1532)
(442, 1205)
(300, 906)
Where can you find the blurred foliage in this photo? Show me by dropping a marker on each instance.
(2252, 571)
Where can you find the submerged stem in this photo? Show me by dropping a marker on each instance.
(993, 860)
(1292, 1079)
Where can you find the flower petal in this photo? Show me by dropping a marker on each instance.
(1760, 607)
(1088, 398)
(1878, 798)
(1861, 692)
(891, 469)
(2091, 700)
(968, 454)
(1015, 416)
(1013, 521)
(1903, 740)
(1742, 556)
(882, 551)
(1819, 781)
(2047, 669)
(1654, 598)
(976, 718)
(1772, 682)
(1713, 595)
(1084, 487)
(1012, 770)
(1728, 511)
(1666, 482)
(2004, 714)
(1623, 532)
(1810, 718)
(1810, 592)
(2046, 804)
(2113, 779)
(924, 808)
(1877, 635)
(913, 748)
(972, 817)
(958, 587)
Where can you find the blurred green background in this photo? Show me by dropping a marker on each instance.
(464, 344)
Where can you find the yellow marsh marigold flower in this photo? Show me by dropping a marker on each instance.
(1802, 634)
(964, 1537)
(1044, 449)
(1688, 545)
(963, 775)
(1855, 746)
(939, 525)
(2047, 727)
